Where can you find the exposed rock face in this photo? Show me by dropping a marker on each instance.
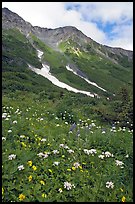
(53, 37)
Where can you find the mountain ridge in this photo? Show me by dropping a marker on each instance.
(47, 34)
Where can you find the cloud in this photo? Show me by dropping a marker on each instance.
(86, 16)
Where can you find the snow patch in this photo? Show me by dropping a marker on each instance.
(93, 83)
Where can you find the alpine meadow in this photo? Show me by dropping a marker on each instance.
(67, 116)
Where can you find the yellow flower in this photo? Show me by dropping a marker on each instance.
(81, 170)
(73, 168)
(2, 191)
(42, 182)
(63, 156)
(23, 144)
(29, 163)
(80, 167)
(21, 197)
(68, 169)
(123, 199)
(44, 195)
(34, 168)
(30, 178)
(84, 163)
(50, 170)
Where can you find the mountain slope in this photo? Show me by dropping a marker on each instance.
(105, 67)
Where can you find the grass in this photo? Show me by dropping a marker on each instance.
(26, 122)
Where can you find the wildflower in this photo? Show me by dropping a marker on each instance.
(29, 163)
(119, 163)
(76, 164)
(68, 169)
(55, 151)
(3, 138)
(2, 191)
(67, 185)
(109, 184)
(12, 156)
(9, 131)
(44, 195)
(80, 167)
(108, 154)
(34, 168)
(30, 178)
(72, 127)
(56, 163)
(121, 189)
(86, 151)
(70, 151)
(92, 151)
(21, 167)
(43, 140)
(61, 145)
(73, 168)
(66, 147)
(23, 144)
(45, 155)
(42, 182)
(4, 115)
(14, 122)
(50, 170)
(21, 197)
(101, 156)
(123, 199)
(60, 190)
(127, 156)
(63, 156)
(22, 136)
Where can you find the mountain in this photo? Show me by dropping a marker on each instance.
(73, 59)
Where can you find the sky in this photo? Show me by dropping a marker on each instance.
(108, 23)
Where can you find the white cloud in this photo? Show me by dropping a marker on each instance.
(54, 14)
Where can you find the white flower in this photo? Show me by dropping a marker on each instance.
(55, 151)
(22, 136)
(66, 147)
(108, 154)
(127, 156)
(119, 163)
(9, 131)
(3, 138)
(109, 184)
(68, 185)
(45, 155)
(14, 122)
(103, 132)
(56, 163)
(86, 151)
(12, 156)
(92, 151)
(76, 164)
(4, 115)
(70, 151)
(43, 140)
(61, 145)
(40, 154)
(101, 156)
(21, 167)
(57, 125)
(60, 190)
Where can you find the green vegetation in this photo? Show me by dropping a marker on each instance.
(58, 146)
(41, 151)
